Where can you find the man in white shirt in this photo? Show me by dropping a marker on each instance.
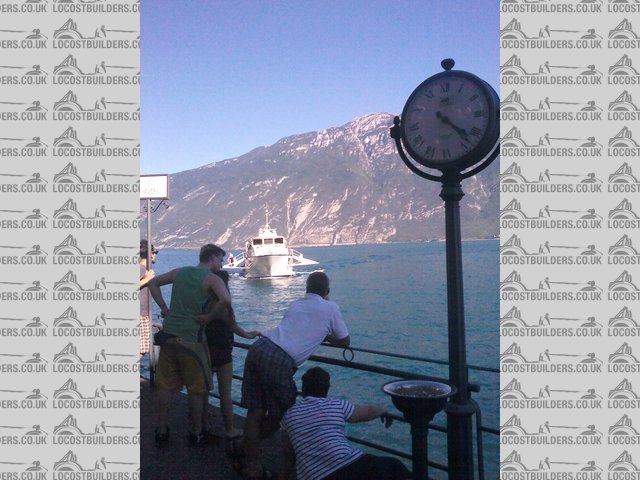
(268, 388)
(315, 441)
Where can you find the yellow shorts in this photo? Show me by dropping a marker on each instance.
(184, 363)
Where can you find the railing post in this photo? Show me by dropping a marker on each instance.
(459, 416)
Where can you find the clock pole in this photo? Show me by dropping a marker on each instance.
(460, 409)
(426, 115)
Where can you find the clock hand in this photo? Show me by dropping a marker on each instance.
(444, 119)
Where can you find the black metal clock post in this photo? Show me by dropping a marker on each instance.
(460, 408)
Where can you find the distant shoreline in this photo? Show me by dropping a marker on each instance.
(313, 245)
(389, 243)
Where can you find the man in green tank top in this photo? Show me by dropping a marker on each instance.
(184, 358)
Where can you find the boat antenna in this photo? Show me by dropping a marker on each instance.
(266, 212)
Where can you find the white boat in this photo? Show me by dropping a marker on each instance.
(267, 255)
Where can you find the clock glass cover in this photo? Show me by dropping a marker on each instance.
(450, 120)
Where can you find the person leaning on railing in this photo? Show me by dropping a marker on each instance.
(315, 441)
(268, 388)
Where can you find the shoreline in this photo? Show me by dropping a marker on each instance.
(314, 245)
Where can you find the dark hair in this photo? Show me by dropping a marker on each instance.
(318, 283)
(315, 383)
(213, 298)
(144, 249)
(224, 275)
(210, 250)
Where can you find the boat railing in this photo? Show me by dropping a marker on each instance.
(348, 362)
(236, 260)
(297, 258)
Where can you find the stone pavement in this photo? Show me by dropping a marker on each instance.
(180, 461)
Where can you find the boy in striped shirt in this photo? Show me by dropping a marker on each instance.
(315, 441)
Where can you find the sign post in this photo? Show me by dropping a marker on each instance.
(152, 187)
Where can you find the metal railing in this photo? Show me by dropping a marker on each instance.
(347, 362)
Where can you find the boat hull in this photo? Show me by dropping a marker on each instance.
(268, 266)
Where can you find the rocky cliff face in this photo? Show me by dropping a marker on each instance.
(339, 185)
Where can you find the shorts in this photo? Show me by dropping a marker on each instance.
(145, 333)
(268, 379)
(184, 363)
(220, 341)
(220, 355)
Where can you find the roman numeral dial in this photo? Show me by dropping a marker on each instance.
(448, 120)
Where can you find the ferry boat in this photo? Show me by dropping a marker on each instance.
(267, 255)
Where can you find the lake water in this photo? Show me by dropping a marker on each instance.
(393, 298)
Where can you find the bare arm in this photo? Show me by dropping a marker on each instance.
(225, 313)
(154, 289)
(214, 284)
(366, 413)
(231, 322)
(148, 276)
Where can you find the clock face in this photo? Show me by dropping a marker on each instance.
(449, 120)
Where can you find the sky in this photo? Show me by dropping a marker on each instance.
(220, 78)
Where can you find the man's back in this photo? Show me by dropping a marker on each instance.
(305, 326)
(315, 427)
(187, 298)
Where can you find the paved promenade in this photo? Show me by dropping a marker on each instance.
(178, 460)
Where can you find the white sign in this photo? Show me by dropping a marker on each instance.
(154, 187)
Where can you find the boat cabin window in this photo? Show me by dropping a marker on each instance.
(268, 241)
(257, 241)
(279, 240)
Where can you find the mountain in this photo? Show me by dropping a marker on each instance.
(339, 185)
